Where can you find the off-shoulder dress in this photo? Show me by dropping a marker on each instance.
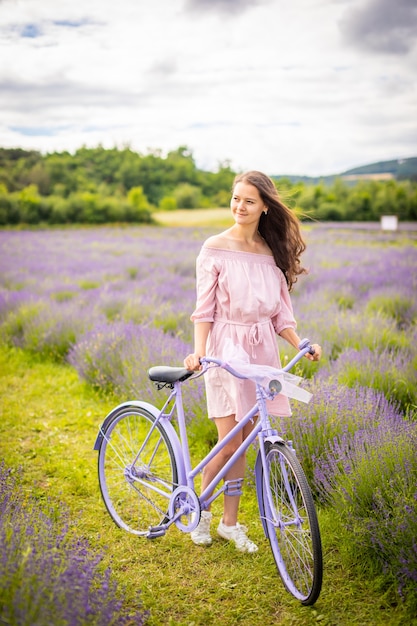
(246, 298)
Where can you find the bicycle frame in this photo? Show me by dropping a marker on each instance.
(191, 473)
(187, 473)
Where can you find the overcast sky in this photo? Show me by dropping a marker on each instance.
(285, 86)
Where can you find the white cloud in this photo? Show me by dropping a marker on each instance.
(283, 87)
(383, 25)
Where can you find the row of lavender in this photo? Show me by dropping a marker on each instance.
(116, 300)
(48, 576)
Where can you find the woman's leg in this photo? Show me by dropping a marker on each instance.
(231, 503)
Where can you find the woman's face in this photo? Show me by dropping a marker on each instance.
(246, 204)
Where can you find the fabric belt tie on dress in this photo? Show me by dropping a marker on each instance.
(256, 334)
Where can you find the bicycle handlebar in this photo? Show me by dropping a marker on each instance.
(304, 347)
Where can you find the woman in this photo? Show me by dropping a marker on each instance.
(244, 276)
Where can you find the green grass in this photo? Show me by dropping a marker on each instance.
(49, 421)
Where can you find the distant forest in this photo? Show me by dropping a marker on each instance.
(98, 185)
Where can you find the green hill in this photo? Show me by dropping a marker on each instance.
(398, 169)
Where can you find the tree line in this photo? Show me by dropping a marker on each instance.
(98, 185)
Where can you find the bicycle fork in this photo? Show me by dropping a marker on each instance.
(267, 508)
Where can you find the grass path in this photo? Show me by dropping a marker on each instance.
(216, 218)
(48, 424)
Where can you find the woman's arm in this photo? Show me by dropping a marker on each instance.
(293, 339)
(201, 332)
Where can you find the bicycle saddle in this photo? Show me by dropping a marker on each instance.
(167, 374)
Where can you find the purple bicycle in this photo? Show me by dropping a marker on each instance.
(147, 479)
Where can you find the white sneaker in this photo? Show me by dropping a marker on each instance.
(201, 535)
(237, 534)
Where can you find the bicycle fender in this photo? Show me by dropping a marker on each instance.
(109, 417)
(259, 477)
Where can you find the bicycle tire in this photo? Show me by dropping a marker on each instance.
(291, 523)
(137, 470)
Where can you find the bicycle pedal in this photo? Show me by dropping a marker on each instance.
(155, 532)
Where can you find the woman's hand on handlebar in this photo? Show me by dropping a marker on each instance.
(192, 362)
(316, 354)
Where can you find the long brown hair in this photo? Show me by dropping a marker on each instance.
(279, 227)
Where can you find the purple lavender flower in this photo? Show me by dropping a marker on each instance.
(47, 576)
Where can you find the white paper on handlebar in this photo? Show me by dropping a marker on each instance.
(238, 359)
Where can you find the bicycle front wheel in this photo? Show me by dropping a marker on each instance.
(137, 470)
(291, 523)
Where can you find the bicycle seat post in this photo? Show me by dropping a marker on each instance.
(183, 430)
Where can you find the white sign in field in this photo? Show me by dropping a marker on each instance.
(389, 222)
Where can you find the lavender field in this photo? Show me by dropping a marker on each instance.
(114, 301)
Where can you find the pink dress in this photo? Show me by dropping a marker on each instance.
(246, 297)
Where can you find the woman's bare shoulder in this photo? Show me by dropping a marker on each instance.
(220, 241)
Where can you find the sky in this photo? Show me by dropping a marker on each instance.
(301, 87)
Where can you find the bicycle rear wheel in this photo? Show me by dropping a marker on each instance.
(291, 523)
(137, 470)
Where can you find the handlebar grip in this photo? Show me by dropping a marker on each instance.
(305, 343)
